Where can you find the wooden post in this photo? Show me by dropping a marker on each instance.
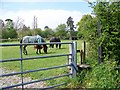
(99, 46)
(84, 54)
(81, 56)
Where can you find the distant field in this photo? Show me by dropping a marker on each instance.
(14, 52)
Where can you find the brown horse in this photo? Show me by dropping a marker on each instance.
(39, 47)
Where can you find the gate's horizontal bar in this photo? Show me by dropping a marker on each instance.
(35, 43)
(54, 86)
(18, 59)
(36, 81)
(29, 71)
(10, 45)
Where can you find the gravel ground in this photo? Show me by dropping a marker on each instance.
(11, 80)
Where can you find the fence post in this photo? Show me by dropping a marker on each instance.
(21, 64)
(99, 46)
(70, 58)
(73, 58)
(81, 56)
(84, 52)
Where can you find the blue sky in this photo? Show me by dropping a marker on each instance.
(71, 6)
(48, 13)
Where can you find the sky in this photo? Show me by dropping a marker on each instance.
(49, 13)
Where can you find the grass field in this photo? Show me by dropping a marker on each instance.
(14, 52)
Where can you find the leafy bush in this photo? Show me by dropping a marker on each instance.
(108, 14)
(102, 76)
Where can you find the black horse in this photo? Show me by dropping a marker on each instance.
(34, 39)
(55, 39)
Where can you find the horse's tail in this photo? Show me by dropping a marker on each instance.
(21, 40)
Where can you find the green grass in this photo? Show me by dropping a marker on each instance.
(14, 52)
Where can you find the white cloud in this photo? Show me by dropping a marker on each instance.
(51, 18)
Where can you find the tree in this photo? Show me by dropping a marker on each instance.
(9, 23)
(46, 27)
(61, 31)
(87, 29)
(1, 27)
(37, 31)
(18, 25)
(71, 26)
(47, 33)
(82, 24)
(25, 31)
(1, 24)
(9, 31)
(12, 33)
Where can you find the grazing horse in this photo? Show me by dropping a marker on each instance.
(34, 39)
(39, 47)
(55, 39)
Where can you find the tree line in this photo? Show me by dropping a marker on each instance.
(17, 29)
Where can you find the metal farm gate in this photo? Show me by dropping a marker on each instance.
(72, 63)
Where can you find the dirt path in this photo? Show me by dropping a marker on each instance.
(11, 80)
